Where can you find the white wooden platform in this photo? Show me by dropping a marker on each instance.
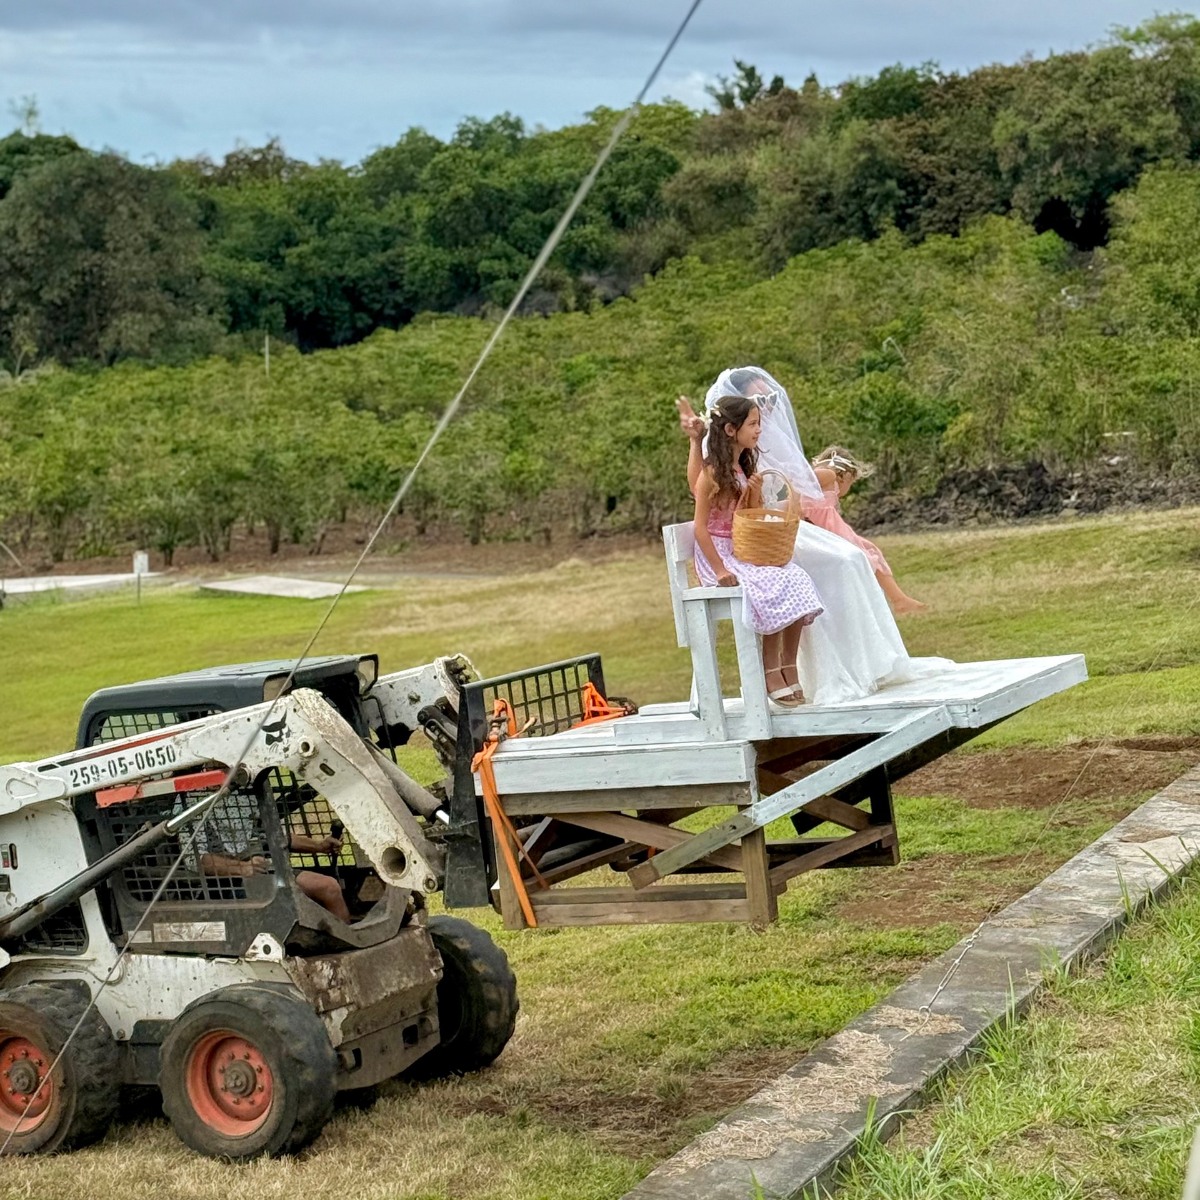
(614, 793)
(278, 585)
(665, 745)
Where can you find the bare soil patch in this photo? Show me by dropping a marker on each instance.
(641, 1121)
(951, 889)
(1124, 770)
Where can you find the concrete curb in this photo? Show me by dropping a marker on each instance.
(789, 1139)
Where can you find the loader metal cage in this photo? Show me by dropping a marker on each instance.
(115, 726)
(545, 700)
(217, 907)
(63, 932)
(301, 809)
(233, 829)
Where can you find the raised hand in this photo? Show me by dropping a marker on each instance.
(691, 424)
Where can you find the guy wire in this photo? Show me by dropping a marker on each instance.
(447, 416)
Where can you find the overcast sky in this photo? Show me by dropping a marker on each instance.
(157, 79)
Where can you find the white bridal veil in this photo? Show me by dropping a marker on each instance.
(779, 445)
(853, 648)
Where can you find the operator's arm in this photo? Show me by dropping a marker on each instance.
(303, 844)
(221, 865)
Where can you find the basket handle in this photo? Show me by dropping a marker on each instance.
(793, 505)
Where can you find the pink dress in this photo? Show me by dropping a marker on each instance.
(772, 597)
(827, 513)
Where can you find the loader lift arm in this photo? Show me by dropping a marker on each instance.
(299, 732)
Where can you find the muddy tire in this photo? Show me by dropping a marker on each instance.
(477, 1000)
(248, 1071)
(76, 1103)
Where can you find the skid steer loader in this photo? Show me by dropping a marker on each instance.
(244, 1000)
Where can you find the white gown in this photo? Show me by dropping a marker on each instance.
(853, 648)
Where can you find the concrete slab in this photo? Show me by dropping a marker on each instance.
(18, 589)
(790, 1138)
(279, 585)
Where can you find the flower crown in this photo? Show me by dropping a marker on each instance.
(840, 463)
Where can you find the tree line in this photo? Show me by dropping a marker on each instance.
(103, 260)
(1000, 344)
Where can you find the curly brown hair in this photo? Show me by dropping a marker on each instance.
(729, 410)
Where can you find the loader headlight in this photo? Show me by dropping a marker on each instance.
(273, 686)
(367, 671)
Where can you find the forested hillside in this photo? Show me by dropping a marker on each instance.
(947, 272)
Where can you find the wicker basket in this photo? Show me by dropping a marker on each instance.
(766, 537)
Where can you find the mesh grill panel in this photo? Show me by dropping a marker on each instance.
(548, 699)
(116, 726)
(234, 824)
(303, 810)
(62, 933)
(233, 829)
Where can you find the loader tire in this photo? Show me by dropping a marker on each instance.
(77, 1102)
(477, 1000)
(248, 1071)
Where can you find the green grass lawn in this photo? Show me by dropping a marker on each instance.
(1092, 1095)
(631, 1041)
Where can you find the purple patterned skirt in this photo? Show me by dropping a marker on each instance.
(772, 597)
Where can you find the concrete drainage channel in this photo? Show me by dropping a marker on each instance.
(790, 1138)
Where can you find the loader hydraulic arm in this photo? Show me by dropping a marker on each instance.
(300, 733)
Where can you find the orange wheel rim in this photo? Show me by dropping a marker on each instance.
(26, 1088)
(229, 1083)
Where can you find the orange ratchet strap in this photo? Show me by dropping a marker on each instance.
(596, 708)
(506, 835)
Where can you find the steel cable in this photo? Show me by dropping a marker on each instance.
(444, 421)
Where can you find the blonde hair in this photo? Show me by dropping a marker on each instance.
(839, 460)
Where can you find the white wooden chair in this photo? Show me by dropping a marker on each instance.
(697, 609)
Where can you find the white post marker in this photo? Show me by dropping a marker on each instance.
(141, 566)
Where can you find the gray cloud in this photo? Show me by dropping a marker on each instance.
(338, 77)
(788, 26)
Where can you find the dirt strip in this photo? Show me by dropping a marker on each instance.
(795, 1133)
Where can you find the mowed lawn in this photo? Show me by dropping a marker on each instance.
(1092, 1095)
(631, 1041)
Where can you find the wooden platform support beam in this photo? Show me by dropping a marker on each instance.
(922, 725)
(648, 833)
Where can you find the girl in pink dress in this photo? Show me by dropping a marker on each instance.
(778, 602)
(837, 470)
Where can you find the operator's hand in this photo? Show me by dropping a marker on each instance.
(258, 865)
(327, 845)
(689, 422)
(726, 579)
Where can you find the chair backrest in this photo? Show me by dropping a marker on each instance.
(679, 541)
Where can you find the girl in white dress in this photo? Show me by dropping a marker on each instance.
(777, 602)
(855, 647)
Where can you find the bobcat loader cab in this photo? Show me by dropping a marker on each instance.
(244, 1001)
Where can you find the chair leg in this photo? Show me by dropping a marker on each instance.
(706, 673)
(753, 679)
